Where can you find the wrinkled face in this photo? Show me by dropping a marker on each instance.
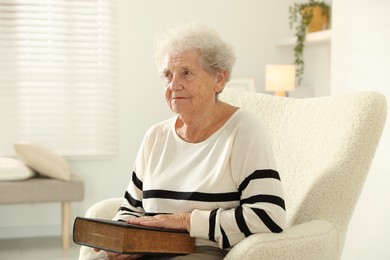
(189, 88)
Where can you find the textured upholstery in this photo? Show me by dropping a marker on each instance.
(105, 209)
(323, 148)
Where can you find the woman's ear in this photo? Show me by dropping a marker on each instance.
(221, 79)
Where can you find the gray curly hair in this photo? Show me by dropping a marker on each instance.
(215, 54)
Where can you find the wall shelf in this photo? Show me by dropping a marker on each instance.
(311, 38)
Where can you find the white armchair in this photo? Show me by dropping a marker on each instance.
(323, 148)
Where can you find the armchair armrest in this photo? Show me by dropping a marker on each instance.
(311, 240)
(105, 209)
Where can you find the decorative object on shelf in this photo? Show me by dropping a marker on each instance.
(247, 84)
(280, 78)
(307, 17)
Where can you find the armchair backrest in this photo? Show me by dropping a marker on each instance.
(323, 148)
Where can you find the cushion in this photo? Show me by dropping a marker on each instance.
(14, 170)
(43, 160)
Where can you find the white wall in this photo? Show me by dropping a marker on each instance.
(251, 28)
(361, 61)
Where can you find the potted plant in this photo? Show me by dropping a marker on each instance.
(306, 17)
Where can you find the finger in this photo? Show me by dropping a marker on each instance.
(140, 220)
(123, 257)
(111, 255)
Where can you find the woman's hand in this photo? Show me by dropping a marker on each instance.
(179, 221)
(117, 256)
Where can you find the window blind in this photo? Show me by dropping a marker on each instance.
(57, 76)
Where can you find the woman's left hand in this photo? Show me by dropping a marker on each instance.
(116, 256)
(179, 221)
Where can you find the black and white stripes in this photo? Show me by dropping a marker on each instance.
(228, 182)
(250, 203)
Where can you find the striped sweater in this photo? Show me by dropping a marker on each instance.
(228, 182)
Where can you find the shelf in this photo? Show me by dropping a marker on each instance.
(311, 38)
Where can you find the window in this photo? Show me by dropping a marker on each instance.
(57, 76)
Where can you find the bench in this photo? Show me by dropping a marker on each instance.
(42, 190)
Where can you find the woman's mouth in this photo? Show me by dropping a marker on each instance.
(175, 98)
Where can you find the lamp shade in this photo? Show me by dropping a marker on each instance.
(280, 78)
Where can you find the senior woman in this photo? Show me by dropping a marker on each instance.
(209, 170)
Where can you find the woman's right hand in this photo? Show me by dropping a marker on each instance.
(117, 256)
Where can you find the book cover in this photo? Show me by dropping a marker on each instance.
(124, 238)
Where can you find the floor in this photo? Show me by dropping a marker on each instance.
(40, 248)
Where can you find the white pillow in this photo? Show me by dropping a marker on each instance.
(42, 160)
(14, 170)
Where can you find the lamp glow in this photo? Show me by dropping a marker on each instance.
(280, 78)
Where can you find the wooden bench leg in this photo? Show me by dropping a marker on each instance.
(65, 208)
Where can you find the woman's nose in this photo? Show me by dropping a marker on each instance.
(176, 83)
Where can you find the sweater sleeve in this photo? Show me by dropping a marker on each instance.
(132, 205)
(261, 207)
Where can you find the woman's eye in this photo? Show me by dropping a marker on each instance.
(168, 76)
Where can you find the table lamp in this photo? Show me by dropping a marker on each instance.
(279, 78)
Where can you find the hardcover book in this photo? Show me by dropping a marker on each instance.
(124, 238)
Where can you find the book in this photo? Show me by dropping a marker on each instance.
(124, 238)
